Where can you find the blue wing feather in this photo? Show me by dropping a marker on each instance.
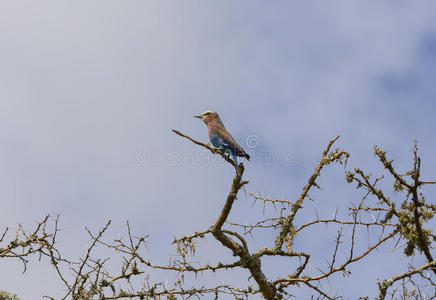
(220, 138)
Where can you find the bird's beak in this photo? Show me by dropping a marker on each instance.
(199, 116)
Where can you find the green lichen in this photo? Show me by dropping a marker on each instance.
(6, 296)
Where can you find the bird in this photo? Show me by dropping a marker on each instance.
(220, 137)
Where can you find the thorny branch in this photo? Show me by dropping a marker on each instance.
(252, 263)
(383, 286)
(40, 241)
(286, 233)
(94, 277)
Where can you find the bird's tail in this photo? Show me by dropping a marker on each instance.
(235, 159)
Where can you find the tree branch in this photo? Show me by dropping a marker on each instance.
(286, 228)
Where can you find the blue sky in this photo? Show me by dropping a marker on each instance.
(89, 92)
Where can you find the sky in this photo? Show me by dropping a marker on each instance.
(89, 93)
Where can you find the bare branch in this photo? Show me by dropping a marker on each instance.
(383, 287)
(325, 160)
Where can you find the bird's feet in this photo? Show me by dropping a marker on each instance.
(214, 149)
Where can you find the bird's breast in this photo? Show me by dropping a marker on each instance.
(215, 139)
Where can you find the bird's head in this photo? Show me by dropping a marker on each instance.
(208, 116)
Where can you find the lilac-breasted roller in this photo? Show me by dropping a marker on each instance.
(220, 137)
